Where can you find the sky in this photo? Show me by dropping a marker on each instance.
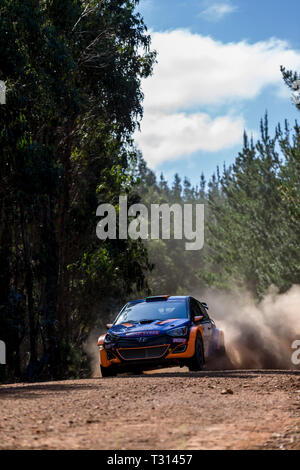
(218, 72)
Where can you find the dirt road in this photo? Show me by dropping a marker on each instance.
(164, 410)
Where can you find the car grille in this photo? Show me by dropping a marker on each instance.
(134, 343)
(155, 352)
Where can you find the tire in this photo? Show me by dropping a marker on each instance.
(197, 361)
(221, 352)
(107, 372)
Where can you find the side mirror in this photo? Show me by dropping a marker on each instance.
(108, 326)
(198, 319)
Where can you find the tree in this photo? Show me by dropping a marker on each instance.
(73, 71)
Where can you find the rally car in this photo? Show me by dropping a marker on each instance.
(158, 332)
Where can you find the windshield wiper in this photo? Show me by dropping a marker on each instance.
(143, 322)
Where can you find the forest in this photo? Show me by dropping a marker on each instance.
(73, 71)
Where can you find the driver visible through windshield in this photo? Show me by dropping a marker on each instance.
(150, 311)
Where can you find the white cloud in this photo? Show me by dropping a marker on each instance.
(194, 72)
(217, 11)
(169, 136)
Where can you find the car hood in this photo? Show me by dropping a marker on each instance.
(157, 327)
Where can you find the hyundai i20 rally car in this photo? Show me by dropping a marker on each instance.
(160, 332)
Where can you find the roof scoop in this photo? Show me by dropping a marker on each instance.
(157, 298)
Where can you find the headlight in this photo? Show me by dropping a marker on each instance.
(109, 338)
(178, 332)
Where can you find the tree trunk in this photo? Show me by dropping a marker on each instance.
(32, 368)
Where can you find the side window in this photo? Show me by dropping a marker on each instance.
(195, 309)
(203, 312)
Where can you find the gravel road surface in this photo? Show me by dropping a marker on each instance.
(170, 409)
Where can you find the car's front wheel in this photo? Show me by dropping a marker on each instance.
(107, 371)
(197, 361)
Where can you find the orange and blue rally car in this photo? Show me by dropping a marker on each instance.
(158, 332)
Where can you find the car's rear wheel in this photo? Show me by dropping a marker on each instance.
(197, 361)
(221, 352)
(107, 371)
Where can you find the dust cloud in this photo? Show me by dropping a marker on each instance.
(257, 335)
(91, 349)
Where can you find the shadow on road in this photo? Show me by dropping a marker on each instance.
(35, 390)
(31, 390)
(233, 374)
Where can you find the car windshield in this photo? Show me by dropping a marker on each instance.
(150, 311)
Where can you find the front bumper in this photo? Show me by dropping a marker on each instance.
(146, 351)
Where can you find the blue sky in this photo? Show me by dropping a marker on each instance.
(217, 74)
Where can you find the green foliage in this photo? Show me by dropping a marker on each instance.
(73, 72)
(251, 221)
(174, 269)
(251, 237)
